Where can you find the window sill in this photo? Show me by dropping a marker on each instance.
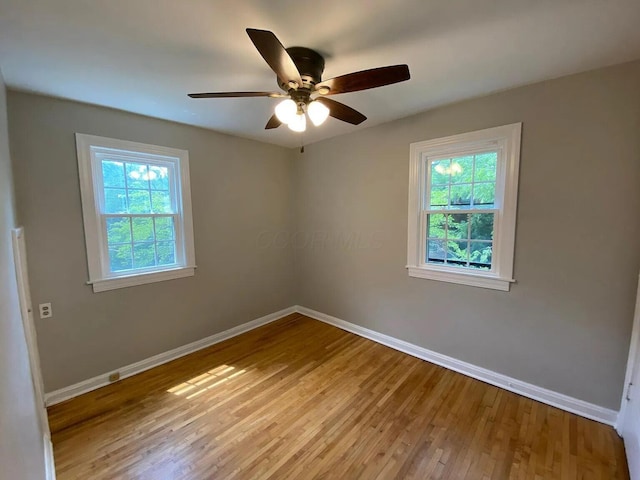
(102, 285)
(462, 278)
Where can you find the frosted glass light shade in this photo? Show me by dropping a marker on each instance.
(286, 110)
(299, 122)
(317, 112)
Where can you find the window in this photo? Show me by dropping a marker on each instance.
(462, 207)
(136, 204)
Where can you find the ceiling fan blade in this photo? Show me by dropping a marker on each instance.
(275, 55)
(375, 77)
(273, 122)
(236, 94)
(342, 112)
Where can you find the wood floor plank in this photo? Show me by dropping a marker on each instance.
(299, 399)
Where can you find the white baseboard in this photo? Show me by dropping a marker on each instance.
(85, 386)
(555, 399)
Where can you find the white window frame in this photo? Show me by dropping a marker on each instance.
(506, 141)
(90, 150)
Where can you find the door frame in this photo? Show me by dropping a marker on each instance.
(24, 295)
(634, 358)
(31, 339)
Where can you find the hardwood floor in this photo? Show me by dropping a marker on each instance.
(298, 399)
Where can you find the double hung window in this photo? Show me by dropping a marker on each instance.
(137, 212)
(462, 207)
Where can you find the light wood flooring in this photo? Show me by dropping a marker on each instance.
(298, 399)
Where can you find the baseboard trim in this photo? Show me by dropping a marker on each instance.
(94, 383)
(555, 399)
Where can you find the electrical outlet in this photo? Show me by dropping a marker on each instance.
(45, 310)
(114, 377)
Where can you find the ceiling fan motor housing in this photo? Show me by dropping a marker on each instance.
(310, 64)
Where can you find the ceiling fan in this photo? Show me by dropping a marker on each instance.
(299, 71)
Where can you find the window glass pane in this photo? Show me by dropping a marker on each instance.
(118, 230)
(120, 258)
(462, 170)
(480, 255)
(462, 239)
(436, 251)
(166, 253)
(458, 225)
(482, 226)
(144, 255)
(457, 252)
(137, 175)
(161, 201)
(486, 167)
(460, 195)
(439, 196)
(436, 225)
(139, 201)
(440, 170)
(164, 228)
(142, 229)
(115, 200)
(484, 194)
(159, 177)
(113, 174)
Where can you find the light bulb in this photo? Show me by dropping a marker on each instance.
(317, 112)
(299, 122)
(286, 110)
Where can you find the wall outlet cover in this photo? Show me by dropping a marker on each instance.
(45, 310)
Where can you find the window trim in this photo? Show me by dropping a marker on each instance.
(88, 149)
(506, 139)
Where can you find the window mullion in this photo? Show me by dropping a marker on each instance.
(132, 244)
(469, 219)
(426, 192)
(126, 188)
(446, 233)
(104, 241)
(155, 241)
(178, 240)
(139, 215)
(472, 202)
(176, 203)
(424, 237)
(462, 210)
(495, 242)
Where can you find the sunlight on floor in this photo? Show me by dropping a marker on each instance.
(201, 383)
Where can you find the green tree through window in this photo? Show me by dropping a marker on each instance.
(139, 216)
(461, 197)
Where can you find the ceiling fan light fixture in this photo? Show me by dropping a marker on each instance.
(286, 111)
(299, 74)
(317, 112)
(299, 122)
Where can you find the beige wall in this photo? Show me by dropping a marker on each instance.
(565, 325)
(21, 438)
(327, 230)
(239, 189)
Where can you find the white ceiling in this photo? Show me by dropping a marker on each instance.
(144, 56)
